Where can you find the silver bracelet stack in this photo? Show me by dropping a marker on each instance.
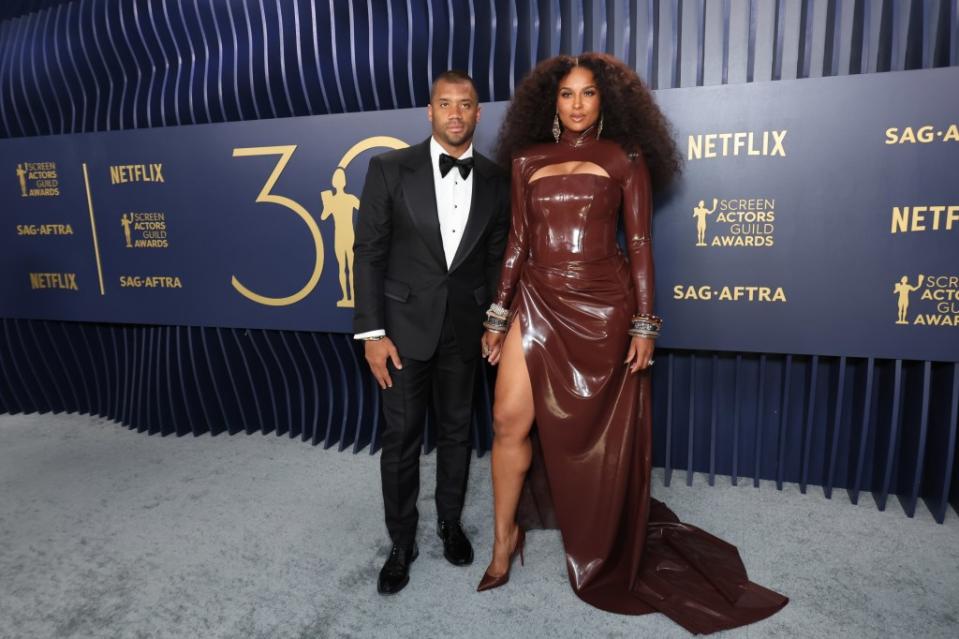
(645, 325)
(497, 319)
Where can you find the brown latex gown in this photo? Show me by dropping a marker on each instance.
(573, 291)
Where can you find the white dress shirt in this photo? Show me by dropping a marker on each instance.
(453, 197)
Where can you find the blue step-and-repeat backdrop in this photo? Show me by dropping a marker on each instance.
(814, 216)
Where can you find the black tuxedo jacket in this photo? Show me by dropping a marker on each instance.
(400, 276)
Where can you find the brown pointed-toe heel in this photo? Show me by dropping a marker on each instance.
(488, 582)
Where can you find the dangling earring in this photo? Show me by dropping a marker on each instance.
(599, 129)
(556, 129)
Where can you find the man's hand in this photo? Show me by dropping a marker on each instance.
(493, 346)
(377, 351)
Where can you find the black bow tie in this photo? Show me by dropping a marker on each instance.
(447, 162)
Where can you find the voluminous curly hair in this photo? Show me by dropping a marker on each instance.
(630, 115)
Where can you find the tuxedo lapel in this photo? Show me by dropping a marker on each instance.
(481, 210)
(420, 195)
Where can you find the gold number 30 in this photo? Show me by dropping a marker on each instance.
(285, 152)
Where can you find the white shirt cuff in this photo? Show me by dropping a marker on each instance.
(377, 333)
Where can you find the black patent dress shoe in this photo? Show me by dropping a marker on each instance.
(395, 573)
(456, 547)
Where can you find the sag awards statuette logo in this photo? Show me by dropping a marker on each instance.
(938, 301)
(738, 222)
(340, 205)
(38, 179)
(144, 230)
(706, 146)
(337, 203)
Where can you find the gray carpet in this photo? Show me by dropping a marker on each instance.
(108, 533)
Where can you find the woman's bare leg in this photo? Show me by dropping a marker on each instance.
(512, 419)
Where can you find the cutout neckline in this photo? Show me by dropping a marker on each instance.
(563, 175)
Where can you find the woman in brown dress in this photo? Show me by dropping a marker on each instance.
(588, 145)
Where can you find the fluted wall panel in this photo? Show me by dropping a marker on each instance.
(873, 427)
(877, 427)
(95, 65)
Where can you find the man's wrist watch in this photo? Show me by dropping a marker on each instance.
(372, 338)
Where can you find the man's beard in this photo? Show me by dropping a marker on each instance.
(457, 140)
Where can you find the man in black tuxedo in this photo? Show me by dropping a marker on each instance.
(430, 236)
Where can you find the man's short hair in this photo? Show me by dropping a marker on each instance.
(454, 76)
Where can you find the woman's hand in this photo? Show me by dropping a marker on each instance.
(640, 355)
(492, 343)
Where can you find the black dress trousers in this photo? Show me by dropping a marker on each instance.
(446, 380)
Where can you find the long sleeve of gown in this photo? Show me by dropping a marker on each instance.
(517, 246)
(637, 218)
